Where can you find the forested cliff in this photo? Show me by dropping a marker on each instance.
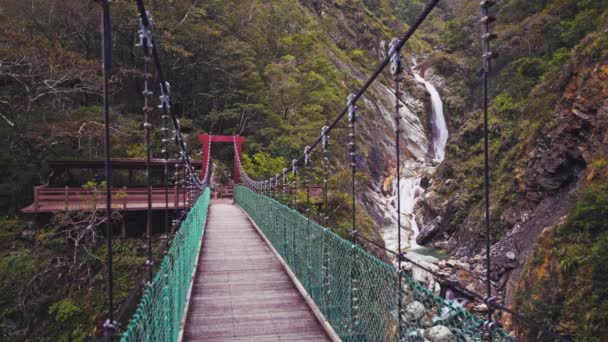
(274, 71)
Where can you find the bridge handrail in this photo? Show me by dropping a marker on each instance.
(357, 292)
(159, 314)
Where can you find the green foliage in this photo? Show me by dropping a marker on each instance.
(357, 55)
(262, 165)
(574, 30)
(507, 107)
(136, 151)
(587, 218)
(64, 310)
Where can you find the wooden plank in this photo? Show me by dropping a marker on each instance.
(241, 291)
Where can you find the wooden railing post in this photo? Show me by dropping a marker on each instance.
(36, 190)
(123, 232)
(124, 203)
(67, 197)
(176, 198)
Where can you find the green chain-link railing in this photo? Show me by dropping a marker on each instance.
(159, 313)
(357, 292)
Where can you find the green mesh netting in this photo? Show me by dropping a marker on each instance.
(358, 293)
(159, 313)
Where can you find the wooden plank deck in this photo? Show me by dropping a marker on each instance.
(241, 292)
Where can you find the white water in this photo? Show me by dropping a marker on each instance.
(409, 188)
(439, 128)
(409, 193)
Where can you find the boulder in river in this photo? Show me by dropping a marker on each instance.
(428, 231)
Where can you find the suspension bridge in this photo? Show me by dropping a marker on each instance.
(261, 267)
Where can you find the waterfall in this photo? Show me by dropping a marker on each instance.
(409, 188)
(439, 129)
(409, 192)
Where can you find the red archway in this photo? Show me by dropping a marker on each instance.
(207, 139)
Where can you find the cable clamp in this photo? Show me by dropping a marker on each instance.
(488, 36)
(488, 19)
(354, 233)
(325, 137)
(164, 98)
(352, 108)
(396, 61)
(307, 155)
(147, 125)
(487, 3)
(109, 328)
(489, 301)
(400, 256)
(149, 263)
(490, 55)
(490, 325)
(145, 32)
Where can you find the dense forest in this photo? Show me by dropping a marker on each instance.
(275, 71)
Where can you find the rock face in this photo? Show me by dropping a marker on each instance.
(428, 231)
(552, 168)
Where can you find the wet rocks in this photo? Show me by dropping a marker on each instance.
(414, 310)
(439, 333)
(442, 245)
(428, 231)
(510, 255)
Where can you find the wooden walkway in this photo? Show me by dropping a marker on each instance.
(241, 291)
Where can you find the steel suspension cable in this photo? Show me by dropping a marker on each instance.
(406, 36)
(165, 101)
(397, 47)
(110, 324)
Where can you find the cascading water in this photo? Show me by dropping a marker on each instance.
(439, 128)
(409, 188)
(409, 192)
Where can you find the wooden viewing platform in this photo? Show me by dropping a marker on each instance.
(47, 200)
(241, 292)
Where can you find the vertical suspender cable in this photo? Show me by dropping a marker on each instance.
(285, 186)
(308, 237)
(325, 143)
(354, 282)
(352, 117)
(106, 45)
(487, 36)
(396, 68)
(165, 184)
(145, 41)
(294, 195)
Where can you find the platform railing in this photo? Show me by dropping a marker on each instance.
(123, 198)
